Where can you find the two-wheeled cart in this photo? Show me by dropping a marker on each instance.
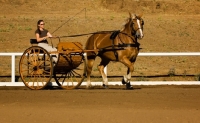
(37, 67)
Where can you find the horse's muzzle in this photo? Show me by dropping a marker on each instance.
(140, 36)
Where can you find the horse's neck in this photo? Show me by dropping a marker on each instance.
(126, 32)
(127, 29)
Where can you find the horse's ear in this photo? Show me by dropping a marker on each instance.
(140, 15)
(134, 16)
(130, 15)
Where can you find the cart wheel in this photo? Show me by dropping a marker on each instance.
(71, 79)
(35, 67)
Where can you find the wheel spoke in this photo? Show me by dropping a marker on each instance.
(32, 67)
(71, 78)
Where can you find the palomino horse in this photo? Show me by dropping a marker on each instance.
(119, 46)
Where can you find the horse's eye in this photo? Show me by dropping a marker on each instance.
(142, 22)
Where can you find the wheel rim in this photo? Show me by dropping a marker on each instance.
(71, 79)
(35, 67)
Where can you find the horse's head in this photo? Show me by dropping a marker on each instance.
(137, 26)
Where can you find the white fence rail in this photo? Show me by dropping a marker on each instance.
(13, 56)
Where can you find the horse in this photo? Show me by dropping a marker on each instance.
(121, 46)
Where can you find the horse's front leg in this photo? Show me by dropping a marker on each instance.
(127, 78)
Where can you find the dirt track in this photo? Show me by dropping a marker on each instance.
(170, 104)
(170, 26)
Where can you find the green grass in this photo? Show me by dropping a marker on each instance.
(28, 28)
(4, 30)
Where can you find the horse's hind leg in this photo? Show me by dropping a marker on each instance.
(101, 67)
(90, 63)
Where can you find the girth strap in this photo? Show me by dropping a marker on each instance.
(112, 37)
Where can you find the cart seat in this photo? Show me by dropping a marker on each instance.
(34, 42)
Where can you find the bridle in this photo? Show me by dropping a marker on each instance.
(139, 27)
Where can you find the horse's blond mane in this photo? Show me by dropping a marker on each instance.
(124, 23)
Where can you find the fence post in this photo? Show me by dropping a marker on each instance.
(13, 68)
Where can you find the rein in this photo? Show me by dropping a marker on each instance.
(100, 32)
(113, 47)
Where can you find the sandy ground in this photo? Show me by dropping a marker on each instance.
(170, 26)
(166, 104)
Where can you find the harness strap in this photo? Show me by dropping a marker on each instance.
(114, 34)
(115, 52)
(114, 48)
(112, 37)
(129, 45)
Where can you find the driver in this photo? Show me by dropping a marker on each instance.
(41, 36)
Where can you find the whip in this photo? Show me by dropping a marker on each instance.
(70, 19)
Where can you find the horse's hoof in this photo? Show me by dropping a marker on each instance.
(89, 87)
(105, 86)
(129, 86)
(123, 82)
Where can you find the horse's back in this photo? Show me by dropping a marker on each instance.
(98, 41)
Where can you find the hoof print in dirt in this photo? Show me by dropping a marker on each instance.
(89, 87)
